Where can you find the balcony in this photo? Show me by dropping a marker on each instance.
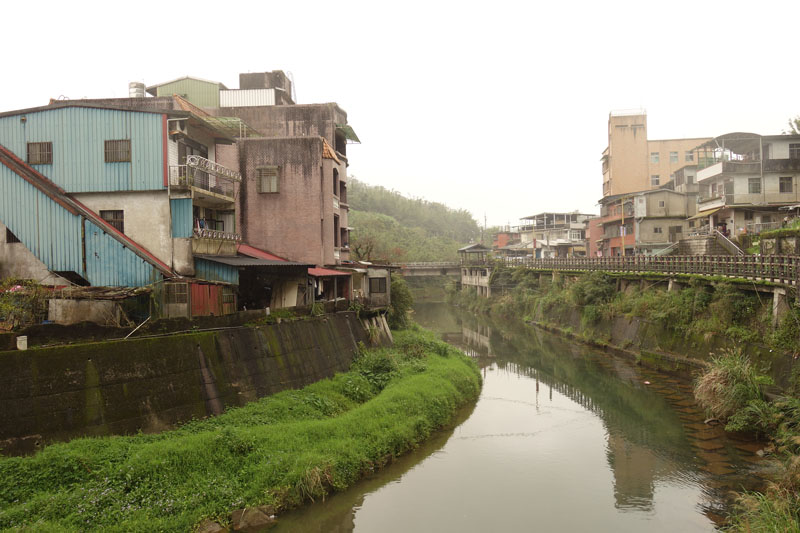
(213, 242)
(729, 168)
(782, 165)
(704, 203)
(211, 182)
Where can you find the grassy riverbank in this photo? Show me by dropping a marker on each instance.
(279, 451)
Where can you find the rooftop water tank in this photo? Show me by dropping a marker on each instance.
(136, 89)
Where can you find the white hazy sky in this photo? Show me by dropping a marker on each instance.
(497, 107)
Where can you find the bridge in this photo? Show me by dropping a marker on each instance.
(434, 268)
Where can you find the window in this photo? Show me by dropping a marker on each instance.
(176, 293)
(655, 180)
(10, 237)
(118, 151)
(691, 223)
(115, 219)
(676, 229)
(766, 219)
(657, 229)
(673, 157)
(40, 153)
(794, 151)
(754, 185)
(654, 157)
(267, 179)
(661, 203)
(785, 184)
(575, 235)
(689, 180)
(748, 215)
(688, 157)
(377, 285)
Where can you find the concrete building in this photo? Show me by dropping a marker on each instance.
(661, 219)
(632, 163)
(745, 179)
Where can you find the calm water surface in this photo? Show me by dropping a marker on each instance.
(562, 438)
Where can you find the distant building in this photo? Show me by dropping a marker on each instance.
(632, 163)
(558, 234)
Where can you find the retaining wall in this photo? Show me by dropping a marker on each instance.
(150, 384)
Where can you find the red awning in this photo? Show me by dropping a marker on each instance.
(323, 272)
(252, 251)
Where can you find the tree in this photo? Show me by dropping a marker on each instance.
(401, 303)
(794, 126)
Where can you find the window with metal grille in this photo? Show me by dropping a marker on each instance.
(10, 237)
(118, 151)
(754, 185)
(268, 179)
(655, 179)
(654, 157)
(176, 293)
(116, 218)
(40, 153)
(673, 157)
(377, 285)
(688, 157)
(657, 229)
(794, 151)
(785, 184)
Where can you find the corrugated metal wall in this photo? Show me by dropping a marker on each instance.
(109, 263)
(213, 271)
(78, 135)
(200, 93)
(48, 230)
(247, 98)
(181, 217)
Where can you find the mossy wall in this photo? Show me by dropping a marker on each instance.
(149, 384)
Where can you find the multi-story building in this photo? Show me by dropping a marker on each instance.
(99, 195)
(616, 221)
(632, 163)
(660, 219)
(558, 234)
(744, 179)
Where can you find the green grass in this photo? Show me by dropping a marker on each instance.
(282, 450)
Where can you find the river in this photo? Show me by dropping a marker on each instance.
(563, 438)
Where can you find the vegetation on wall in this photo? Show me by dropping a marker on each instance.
(279, 451)
(390, 227)
(401, 303)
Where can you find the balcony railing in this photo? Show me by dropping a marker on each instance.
(754, 228)
(214, 234)
(200, 173)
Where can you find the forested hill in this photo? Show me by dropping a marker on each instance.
(387, 226)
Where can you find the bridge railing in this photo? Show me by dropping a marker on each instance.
(784, 269)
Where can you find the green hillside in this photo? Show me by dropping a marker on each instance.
(387, 226)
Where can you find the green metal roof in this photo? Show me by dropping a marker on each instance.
(232, 126)
(349, 134)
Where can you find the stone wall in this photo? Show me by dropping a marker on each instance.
(150, 384)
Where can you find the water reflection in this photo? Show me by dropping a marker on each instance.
(563, 438)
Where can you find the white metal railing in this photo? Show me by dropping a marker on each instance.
(195, 161)
(754, 228)
(186, 176)
(726, 243)
(215, 234)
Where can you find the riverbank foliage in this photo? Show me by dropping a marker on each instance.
(281, 451)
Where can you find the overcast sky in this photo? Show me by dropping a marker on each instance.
(497, 107)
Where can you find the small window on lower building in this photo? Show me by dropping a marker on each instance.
(691, 223)
(10, 237)
(785, 184)
(661, 203)
(754, 185)
(748, 215)
(118, 151)
(176, 293)
(655, 180)
(657, 229)
(40, 153)
(377, 285)
(115, 218)
(267, 179)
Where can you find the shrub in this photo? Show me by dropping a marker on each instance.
(401, 303)
(729, 384)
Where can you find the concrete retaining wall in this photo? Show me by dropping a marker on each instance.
(150, 384)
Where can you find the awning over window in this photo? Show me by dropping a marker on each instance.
(349, 134)
(703, 214)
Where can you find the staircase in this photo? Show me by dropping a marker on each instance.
(713, 244)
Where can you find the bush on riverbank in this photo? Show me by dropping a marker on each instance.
(281, 450)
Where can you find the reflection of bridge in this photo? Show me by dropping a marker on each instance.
(433, 268)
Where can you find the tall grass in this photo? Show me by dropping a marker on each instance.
(281, 451)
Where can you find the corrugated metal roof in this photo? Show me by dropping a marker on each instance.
(324, 272)
(328, 152)
(239, 261)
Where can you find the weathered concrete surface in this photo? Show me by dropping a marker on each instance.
(150, 384)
